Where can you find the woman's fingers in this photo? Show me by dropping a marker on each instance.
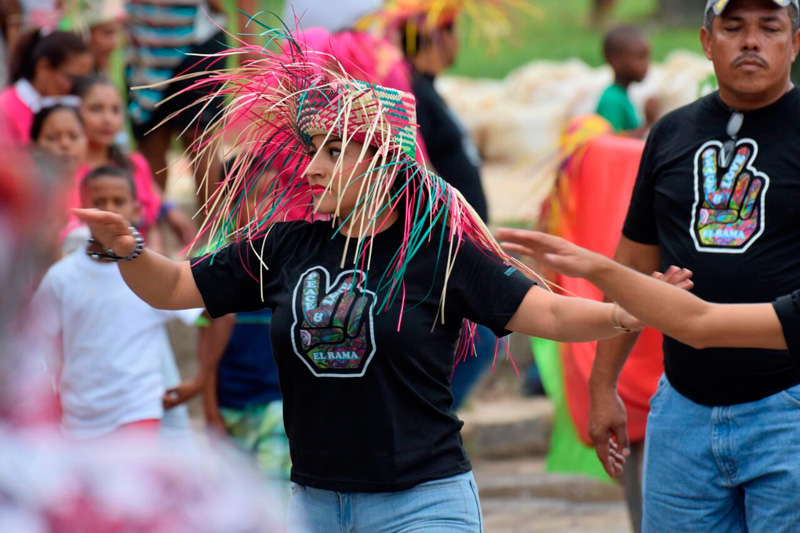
(680, 277)
(526, 238)
(102, 219)
(111, 230)
(95, 215)
(553, 252)
(518, 249)
(525, 242)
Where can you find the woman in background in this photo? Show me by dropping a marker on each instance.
(43, 70)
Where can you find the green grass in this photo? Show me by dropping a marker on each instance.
(561, 32)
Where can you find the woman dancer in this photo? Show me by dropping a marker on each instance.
(367, 307)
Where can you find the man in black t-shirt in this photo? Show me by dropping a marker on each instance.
(718, 193)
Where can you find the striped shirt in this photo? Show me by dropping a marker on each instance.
(160, 34)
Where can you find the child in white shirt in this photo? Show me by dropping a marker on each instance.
(113, 344)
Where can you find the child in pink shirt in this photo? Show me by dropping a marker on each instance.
(43, 70)
(101, 110)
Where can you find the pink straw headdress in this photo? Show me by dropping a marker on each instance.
(288, 97)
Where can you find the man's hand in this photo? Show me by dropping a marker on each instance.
(608, 429)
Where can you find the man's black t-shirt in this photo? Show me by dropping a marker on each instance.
(738, 230)
(788, 310)
(367, 400)
(452, 154)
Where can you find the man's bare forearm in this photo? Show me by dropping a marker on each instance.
(612, 354)
(610, 358)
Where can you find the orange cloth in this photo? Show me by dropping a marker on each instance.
(600, 189)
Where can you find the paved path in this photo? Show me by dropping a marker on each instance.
(517, 496)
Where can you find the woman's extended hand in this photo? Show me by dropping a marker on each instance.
(553, 252)
(571, 260)
(109, 229)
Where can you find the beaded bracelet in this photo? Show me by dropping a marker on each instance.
(109, 254)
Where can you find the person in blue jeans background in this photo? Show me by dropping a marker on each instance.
(717, 193)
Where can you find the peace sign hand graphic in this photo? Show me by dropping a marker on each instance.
(334, 323)
(728, 215)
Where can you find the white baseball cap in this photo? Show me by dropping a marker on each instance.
(719, 5)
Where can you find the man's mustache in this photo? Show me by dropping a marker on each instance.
(750, 57)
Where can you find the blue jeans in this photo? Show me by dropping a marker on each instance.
(728, 469)
(440, 506)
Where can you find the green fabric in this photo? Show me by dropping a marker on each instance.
(616, 107)
(567, 453)
(259, 430)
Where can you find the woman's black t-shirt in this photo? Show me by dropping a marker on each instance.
(788, 310)
(367, 400)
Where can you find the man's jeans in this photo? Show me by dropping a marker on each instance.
(722, 469)
(445, 505)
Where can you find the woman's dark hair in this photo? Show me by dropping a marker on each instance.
(81, 89)
(57, 47)
(41, 117)
(108, 171)
(420, 40)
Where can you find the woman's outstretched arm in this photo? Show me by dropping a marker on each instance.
(677, 313)
(157, 280)
(564, 319)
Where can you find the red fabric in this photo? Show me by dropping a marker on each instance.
(601, 188)
(147, 426)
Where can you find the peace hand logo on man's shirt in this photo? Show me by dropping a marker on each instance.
(333, 329)
(728, 212)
